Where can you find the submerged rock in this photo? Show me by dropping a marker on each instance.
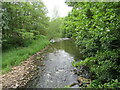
(82, 71)
(83, 81)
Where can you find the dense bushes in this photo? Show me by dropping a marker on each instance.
(24, 26)
(22, 22)
(95, 25)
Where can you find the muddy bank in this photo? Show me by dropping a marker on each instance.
(20, 75)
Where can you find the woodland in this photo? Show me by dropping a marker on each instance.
(95, 26)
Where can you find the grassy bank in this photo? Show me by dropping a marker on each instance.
(14, 57)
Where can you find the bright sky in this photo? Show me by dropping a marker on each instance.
(62, 8)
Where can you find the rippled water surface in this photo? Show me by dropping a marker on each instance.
(57, 70)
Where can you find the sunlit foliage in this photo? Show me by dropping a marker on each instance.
(22, 22)
(96, 27)
(24, 26)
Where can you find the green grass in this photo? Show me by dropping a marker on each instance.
(14, 57)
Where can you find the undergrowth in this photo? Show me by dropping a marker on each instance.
(14, 56)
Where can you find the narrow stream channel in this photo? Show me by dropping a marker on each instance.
(57, 70)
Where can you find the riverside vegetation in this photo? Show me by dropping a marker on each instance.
(26, 29)
(96, 28)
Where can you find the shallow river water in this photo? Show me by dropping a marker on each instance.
(57, 70)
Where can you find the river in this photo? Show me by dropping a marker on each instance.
(56, 70)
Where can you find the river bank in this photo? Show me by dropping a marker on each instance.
(15, 55)
(49, 68)
(20, 75)
(57, 70)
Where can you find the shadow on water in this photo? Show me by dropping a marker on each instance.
(57, 71)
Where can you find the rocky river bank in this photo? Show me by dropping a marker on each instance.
(49, 68)
(20, 75)
(83, 77)
(57, 70)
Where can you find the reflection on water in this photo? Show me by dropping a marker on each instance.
(58, 71)
(69, 47)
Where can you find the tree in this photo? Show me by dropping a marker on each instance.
(95, 25)
(22, 22)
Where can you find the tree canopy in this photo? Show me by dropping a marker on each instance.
(22, 22)
(96, 27)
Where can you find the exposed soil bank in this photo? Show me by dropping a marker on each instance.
(20, 75)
